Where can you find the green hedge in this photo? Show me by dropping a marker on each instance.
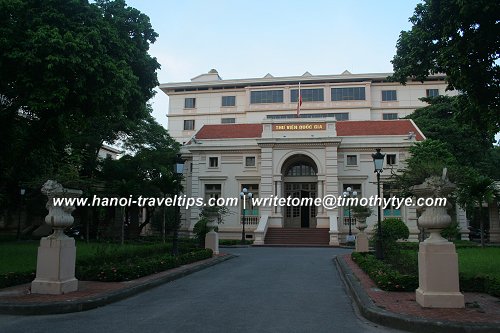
(15, 278)
(117, 268)
(386, 277)
(136, 267)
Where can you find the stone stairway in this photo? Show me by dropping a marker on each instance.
(297, 236)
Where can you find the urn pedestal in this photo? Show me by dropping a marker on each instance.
(55, 268)
(212, 239)
(361, 237)
(438, 284)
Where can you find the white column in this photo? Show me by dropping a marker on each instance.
(463, 223)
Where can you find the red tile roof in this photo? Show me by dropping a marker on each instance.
(230, 131)
(344, 128)
(377, 127)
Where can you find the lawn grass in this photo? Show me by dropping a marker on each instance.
(486, 261)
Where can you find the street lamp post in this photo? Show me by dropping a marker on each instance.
(178, 170)
(244, 194)
(378, 161)
(350, 194)
(22, 192)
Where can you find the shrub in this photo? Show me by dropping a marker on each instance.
(384, 276)
(393, 229)
(134, 268)
(451, 232)
(15, 278)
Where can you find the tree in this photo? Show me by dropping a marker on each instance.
(74, 75)
(427, 158)
(438, 121)
(460, 38)
(474, 191)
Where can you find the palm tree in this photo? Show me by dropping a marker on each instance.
(474, 191)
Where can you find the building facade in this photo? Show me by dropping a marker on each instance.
(252, 133)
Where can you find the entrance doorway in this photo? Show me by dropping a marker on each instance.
(300, 181)
(300, 216)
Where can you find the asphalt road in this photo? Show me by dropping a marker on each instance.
(263, 290)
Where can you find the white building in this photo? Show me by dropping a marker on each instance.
(247, 133)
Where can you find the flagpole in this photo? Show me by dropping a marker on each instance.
(299, 102)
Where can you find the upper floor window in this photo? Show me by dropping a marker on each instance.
(308, 95)
(228, 100)
(189, 125)
(336, 115)
(266, 96)
(189, 103)
(389, 95)
(228, 120)
(390, 159)
(348, 94)
(389, 116)
(432, 92)
(213, 162)
(250, 161)
(351, 160)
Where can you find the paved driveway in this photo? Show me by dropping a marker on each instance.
(263, 290)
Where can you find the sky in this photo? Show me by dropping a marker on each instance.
(248, 39)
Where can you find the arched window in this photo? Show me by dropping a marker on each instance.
(301, 169)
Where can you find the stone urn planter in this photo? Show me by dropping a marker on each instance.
(434, 218)
(55, 267)
(438, 284)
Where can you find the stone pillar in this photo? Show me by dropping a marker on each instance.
(438, 284)
(463, 223)
(334, 228)
(279, 193)
(212, 241)
(494, 222)
(55, 269)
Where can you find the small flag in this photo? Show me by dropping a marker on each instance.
(299, 102)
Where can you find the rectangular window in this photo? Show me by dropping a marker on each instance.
(389, 116)
(266, 96)
(389, 95)
(228, 120)
(189, 103)
(432, 92)
(354, 188)
(308, 95)
(348, 94)
(390, 159)
(337, 115)
(250, 161)
(351, 160)
(228, 101)
(213, 162)
(390, 210)
(189, 125)
(213, 191)
(251, 211)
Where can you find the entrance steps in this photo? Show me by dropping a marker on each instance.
(297, 236)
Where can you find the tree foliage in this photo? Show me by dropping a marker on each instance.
(74, 75)
(460, 38)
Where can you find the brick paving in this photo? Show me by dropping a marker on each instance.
(479, 308)
(86, 289)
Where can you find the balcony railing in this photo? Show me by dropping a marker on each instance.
(353, 221)
(251, 220)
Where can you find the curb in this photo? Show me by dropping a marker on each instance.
(47, 308)
(370, 311)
